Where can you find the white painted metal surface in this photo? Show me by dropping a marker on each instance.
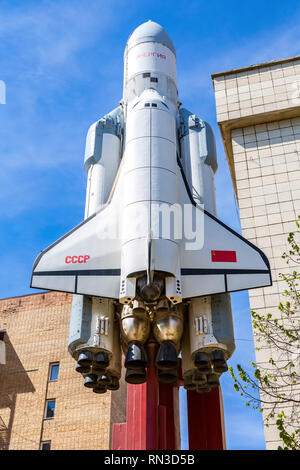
(157, 177)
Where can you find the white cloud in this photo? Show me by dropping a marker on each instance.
(272, 44)
(42, 45)
(49, 33)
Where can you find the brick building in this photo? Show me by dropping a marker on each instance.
(258, 112)
(43, 402)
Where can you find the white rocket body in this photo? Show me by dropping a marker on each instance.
(151, 171)
(101, 256)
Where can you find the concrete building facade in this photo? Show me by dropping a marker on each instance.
(43, 403)
(258, 112)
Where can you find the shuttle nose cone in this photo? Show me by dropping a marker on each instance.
(150, 32)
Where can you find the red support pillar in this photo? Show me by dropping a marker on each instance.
(152, 414)
(166, 400)
(152, 437)
(136, 424)
(206, 420)
(119, 436)
(162, 432)
(153, 417)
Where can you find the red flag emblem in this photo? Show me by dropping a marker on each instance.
(219, 256)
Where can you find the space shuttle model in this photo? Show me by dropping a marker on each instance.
(151, 262)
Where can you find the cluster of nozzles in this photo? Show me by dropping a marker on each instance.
(207, 372)
(93, 367)
(100, 362)
(200, 329)
(163, 325)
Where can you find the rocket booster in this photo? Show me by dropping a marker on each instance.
(151, 247)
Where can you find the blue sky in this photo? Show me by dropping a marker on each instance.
(62, 63)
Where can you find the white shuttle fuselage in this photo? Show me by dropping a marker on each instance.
(150, 244)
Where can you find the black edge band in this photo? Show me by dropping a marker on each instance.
(200, 272)
(86, 272)
(184, 272)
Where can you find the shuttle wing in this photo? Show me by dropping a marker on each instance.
(225, 262)
(85, 261)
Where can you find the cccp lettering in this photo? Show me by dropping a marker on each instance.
(76, 259)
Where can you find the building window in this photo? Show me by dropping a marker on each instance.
(49, 409)
(45, 445)
(2, 348)
(154, 79)
(53, 373)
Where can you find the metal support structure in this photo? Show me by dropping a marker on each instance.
(153, 416)
(152, 391)
(206, 420)
(169, 416)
